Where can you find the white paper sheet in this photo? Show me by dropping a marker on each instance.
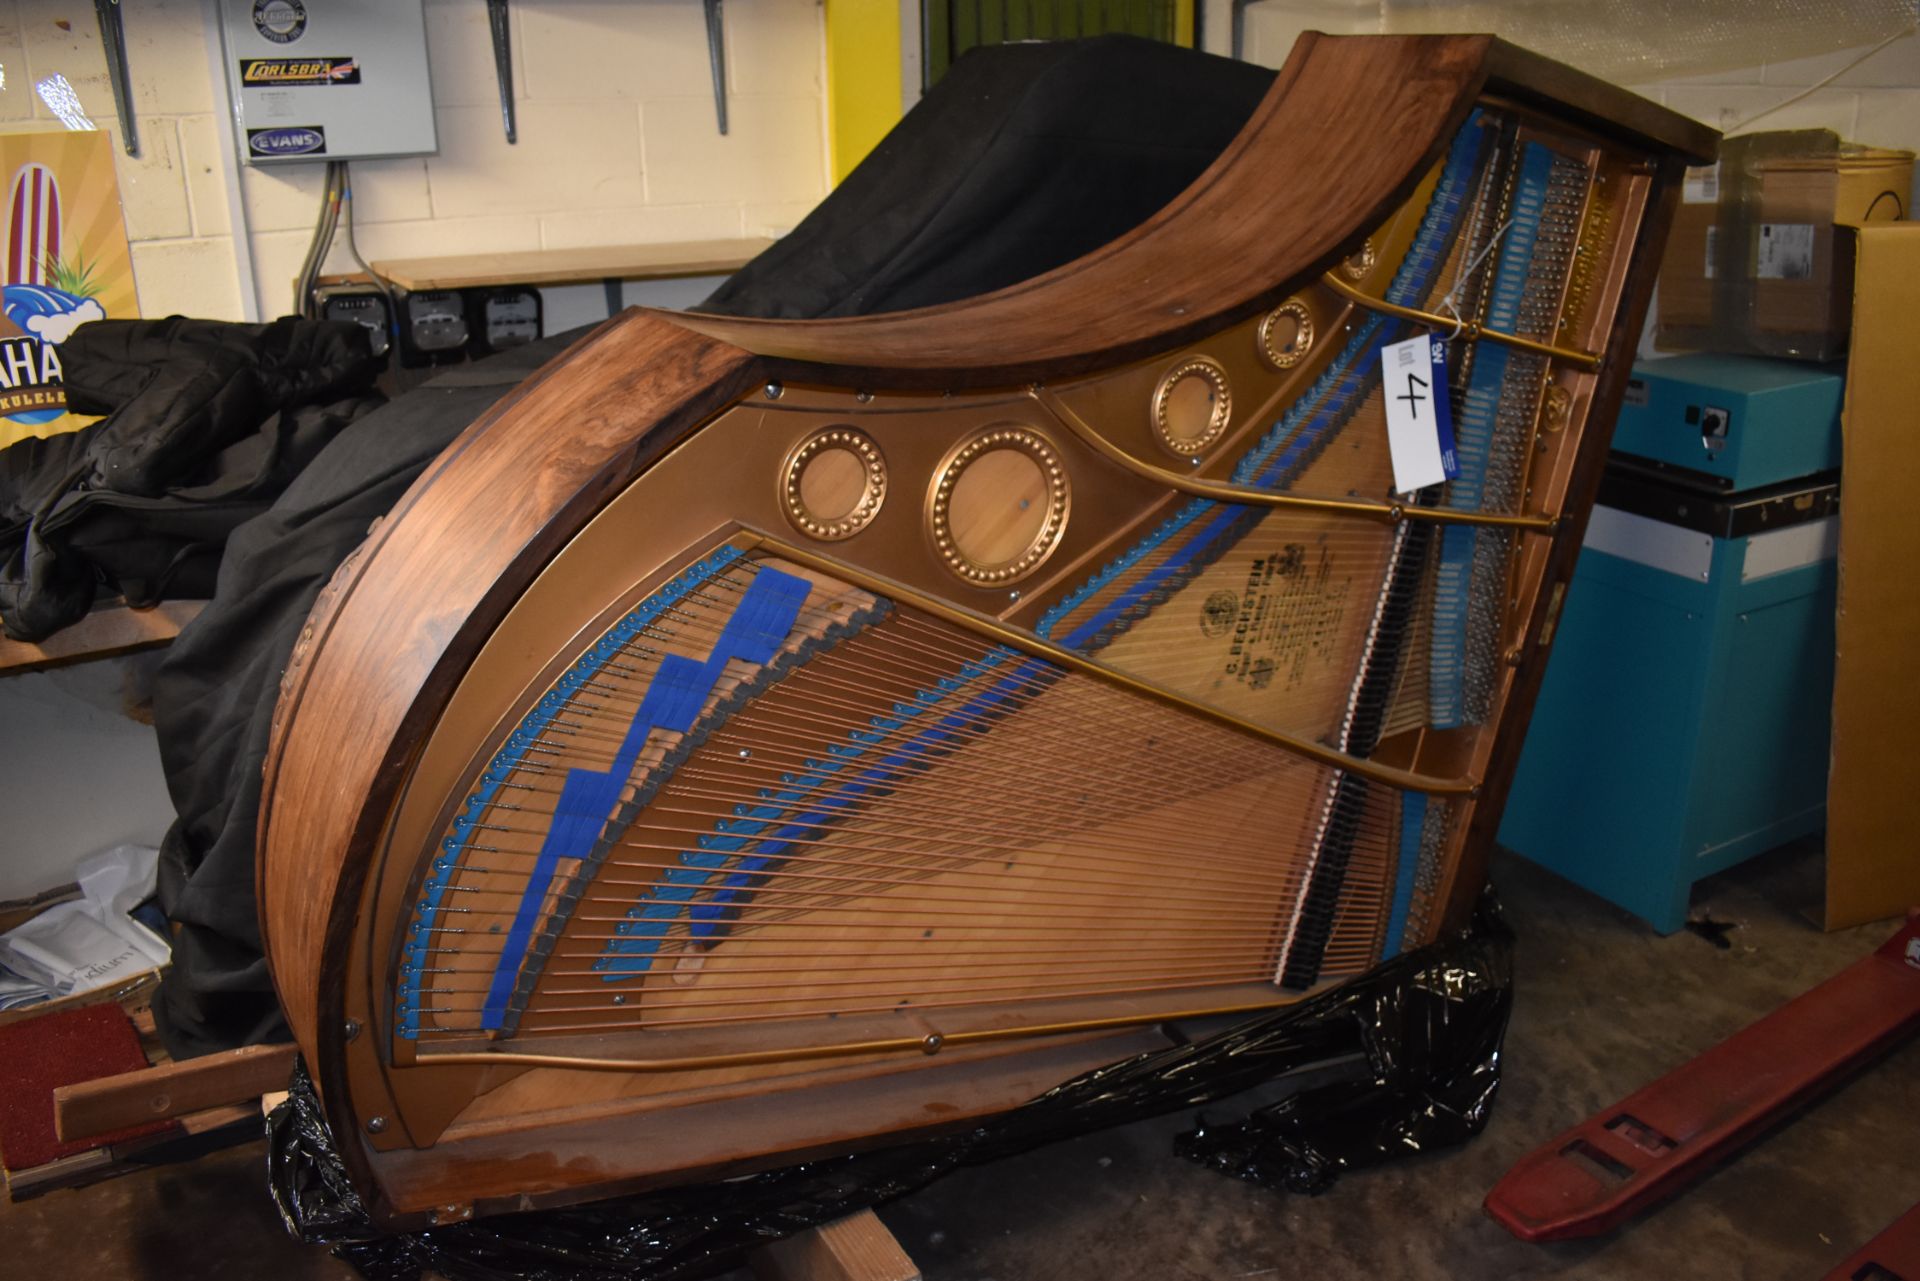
(91, 941)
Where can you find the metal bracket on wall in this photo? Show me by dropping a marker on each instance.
(503, 64)
(113, 38)
(717, 59)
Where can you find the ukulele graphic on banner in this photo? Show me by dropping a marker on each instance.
(66, 263)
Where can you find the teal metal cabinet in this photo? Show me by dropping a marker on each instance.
(1732, 423)
(1684, 720)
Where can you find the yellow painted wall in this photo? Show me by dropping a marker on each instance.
(863, 78)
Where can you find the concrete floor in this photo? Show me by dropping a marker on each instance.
(1602, 1006)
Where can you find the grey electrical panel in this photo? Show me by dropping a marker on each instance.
(328, 79)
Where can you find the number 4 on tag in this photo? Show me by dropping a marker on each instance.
(1419, 419)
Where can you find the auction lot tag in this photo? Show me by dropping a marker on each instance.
(1419, 420)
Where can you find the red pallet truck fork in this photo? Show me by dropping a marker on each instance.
(1651, 1145)
(1894, 1255)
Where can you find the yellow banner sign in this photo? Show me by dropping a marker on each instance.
(64, 262)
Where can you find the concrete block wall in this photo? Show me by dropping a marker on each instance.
(617, 138)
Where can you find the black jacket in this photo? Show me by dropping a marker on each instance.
(205, 424)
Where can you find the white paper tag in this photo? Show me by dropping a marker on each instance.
(1419, 420)
(1702, 186)
(1786, 251)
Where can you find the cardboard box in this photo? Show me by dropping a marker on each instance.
(1873, 807)
(1754, 265)
(1686, 272)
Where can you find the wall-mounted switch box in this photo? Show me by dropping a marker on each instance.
(328, 79)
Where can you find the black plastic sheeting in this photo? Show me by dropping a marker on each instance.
(1415, 1044)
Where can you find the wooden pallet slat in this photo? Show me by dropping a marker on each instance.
(170, 1090)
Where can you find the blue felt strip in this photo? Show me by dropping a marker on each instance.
(1413, 820)
(1476, 425)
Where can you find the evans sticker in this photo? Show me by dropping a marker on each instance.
(282, 72)
(287, 141)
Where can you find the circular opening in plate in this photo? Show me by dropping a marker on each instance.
(1360, 262)
(1191, 406)
(999, 508)
(999, 505)
(1286, 334)
(834, 483)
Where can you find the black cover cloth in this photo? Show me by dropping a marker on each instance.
(1024, 157)
(214, 695)
(205, 423)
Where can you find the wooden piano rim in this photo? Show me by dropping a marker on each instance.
(1200, 262)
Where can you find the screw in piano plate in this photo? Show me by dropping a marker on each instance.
(775, 391)
(1013, 595)
(746, 754)
(864, 397)
(619, 998)
(376, 1124)
(352, 1028)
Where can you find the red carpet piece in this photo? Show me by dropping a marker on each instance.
(61, 1049)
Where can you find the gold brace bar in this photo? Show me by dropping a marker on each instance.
(1248, 496)
(1468, 329)
(925, 1043)
(1026, 642)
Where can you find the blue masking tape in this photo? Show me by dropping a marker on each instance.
(508, 758)
(758, 626)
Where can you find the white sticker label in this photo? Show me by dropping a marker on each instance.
(1712, 240)
(1419, 419)
(1786, 251)
(1702, 186)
